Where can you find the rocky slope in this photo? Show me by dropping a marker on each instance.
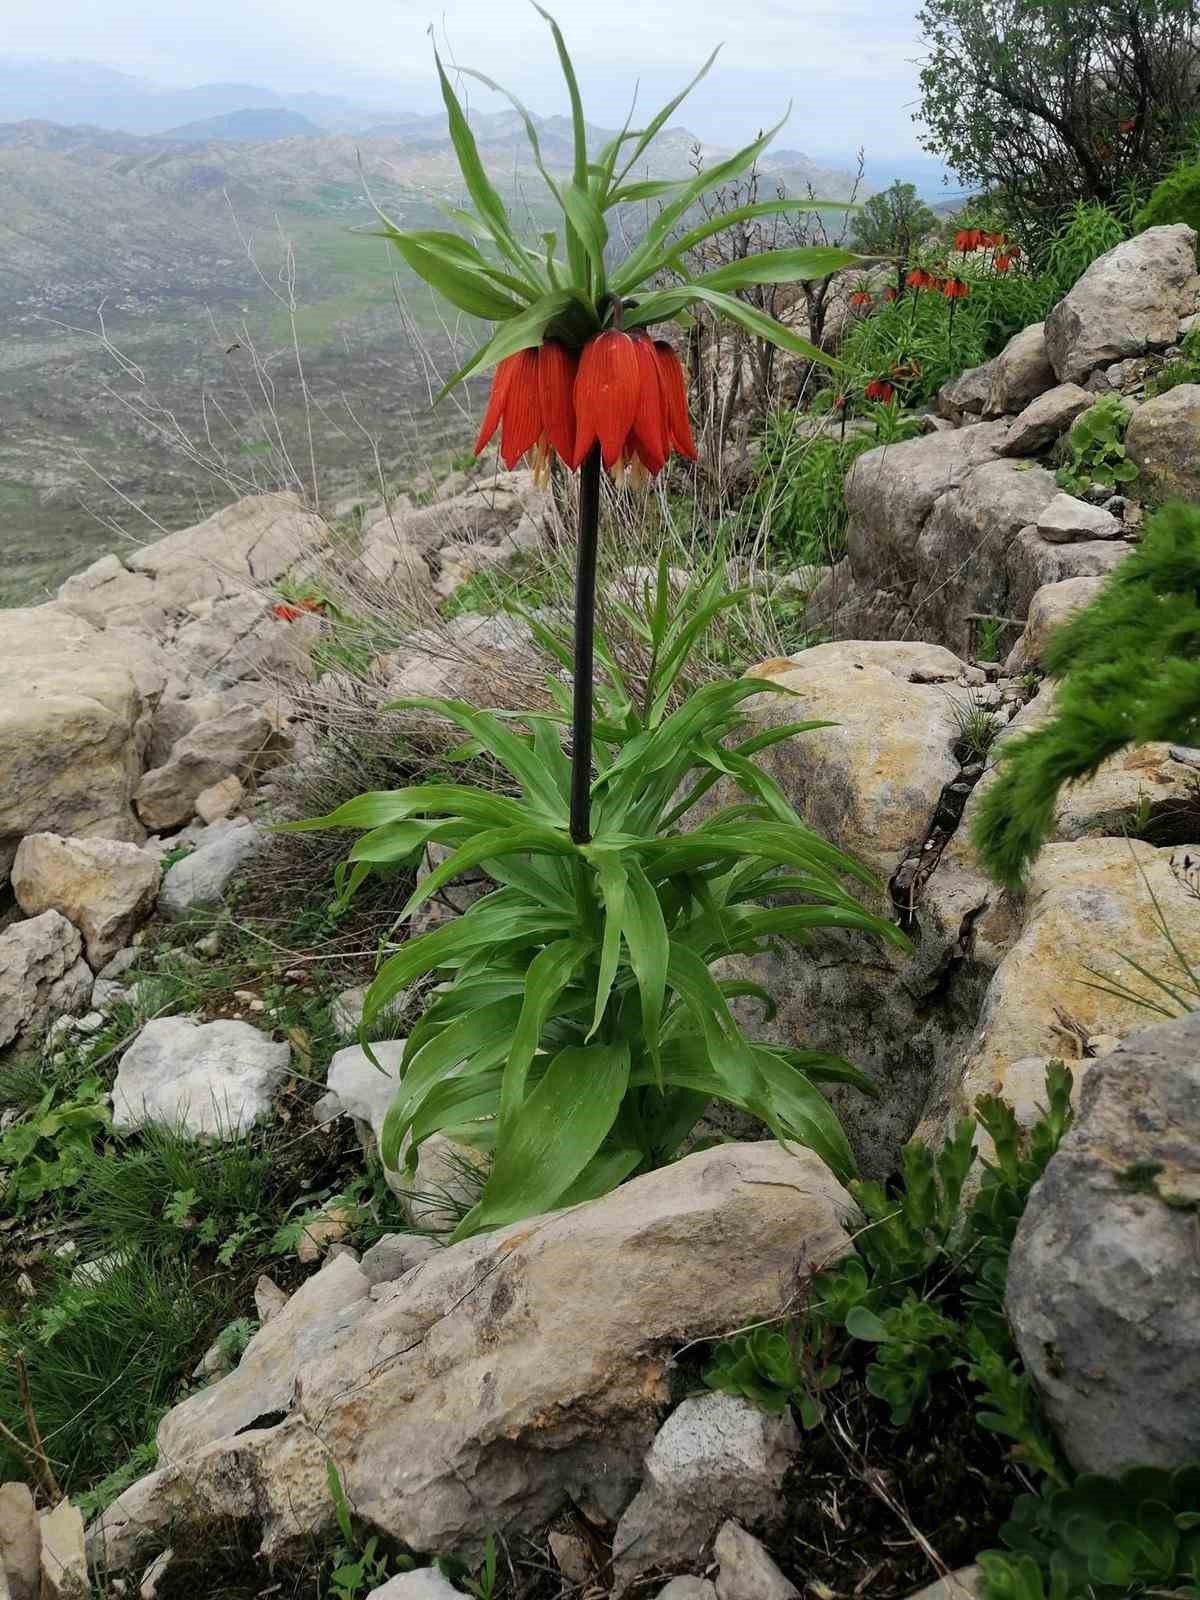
(486, 1387)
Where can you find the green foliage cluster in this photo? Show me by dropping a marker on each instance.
(1185, 369)
(892, 222)
(798, 492)
(579, 1032)
(1175, 199)
(924, 1289)
(1095, 450)
(1128, 667)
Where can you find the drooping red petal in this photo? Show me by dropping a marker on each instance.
(495, 406)
(674, 388)
(650, 439)
(606, 395)
(556, 371)
(522, 410)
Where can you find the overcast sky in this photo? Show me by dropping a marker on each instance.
(848, 65)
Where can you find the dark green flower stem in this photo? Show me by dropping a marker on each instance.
(585, 628)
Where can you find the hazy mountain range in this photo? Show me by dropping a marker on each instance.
(156, 246)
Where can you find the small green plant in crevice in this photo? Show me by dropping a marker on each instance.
(360, 1565)
(924, 1290)
(988, 634)
(1094, 450)
(977, 728)
(1184, 369)
(45, 1151)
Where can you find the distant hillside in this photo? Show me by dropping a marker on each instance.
(245, 127)
(148, 242)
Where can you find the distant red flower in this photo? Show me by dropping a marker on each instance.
(956, 289)
(285, 612)
(918, 278)
(861, 297)
(889, 294)
(1002, 260)
(839, 402)
(1127, 124)
(992, 240)
(880, 389)
(968, 239)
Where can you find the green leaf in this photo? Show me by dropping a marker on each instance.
(521, 761)
(864, 1324)
(486, 200)
(463, 286)
(749, 213)
(660, 119)
(779, 266)
(658, 307)
(649, 951)
(588, 221)
(550, 971)
(613, 882)
(489, 842)
(522, 332)
(558, 1130)
(381, 806)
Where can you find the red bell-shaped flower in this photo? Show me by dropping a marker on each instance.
(532, 402)
(631, 400)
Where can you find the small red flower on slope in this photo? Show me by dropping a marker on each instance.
(889, 295)
(956, 289)
(532, 403)
(291, 612)
(880, 389)
(968, 239)
(918, 278)
(862, 297)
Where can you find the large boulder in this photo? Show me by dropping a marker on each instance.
(1163, 441)
(205, 1079)
(243, 546)
(717, 1456)
(1128, 301)
(475, 1396)
(42, 975)
(1021, 371)
(1051, 606)
(1104, 1279)
(104, 887)
(74, 718)
(1034, 561)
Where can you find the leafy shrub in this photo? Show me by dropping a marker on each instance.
(1186, 369)
(1175, 199)
(1086, 232)
(1104, 1538)
(580, 1032)
(1129, 671)
(925, 1289)
(1095, 448)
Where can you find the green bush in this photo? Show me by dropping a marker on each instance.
(1175, 199)
(1129, 671)
(1094, 452)
(579, 1033)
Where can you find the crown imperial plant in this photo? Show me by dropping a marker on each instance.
(578, 1032)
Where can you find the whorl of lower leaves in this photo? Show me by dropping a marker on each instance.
(1128, 667)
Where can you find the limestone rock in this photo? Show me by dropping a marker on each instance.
(346, 1012)
(474, 1396)
(1088, 914)
(269, 1299)
(314, 1323)
(20, 1542)
(220, 800)
(238, 548)
(1104, 1281)
(1051, 606)
(967, 394)
(746, 1570)
(871, 779)
(73, 720)
(107, 889)
(426, 1583)
(64, 1561)
(961, 1585)
(1162, 440)
(1033, 562)
(107, 594)
(395, 1254)
(240, 742)
(202, 877)
(42, 975)
(177, 714)
(685, 1588)
(1045, 419)
(207, 1079)
(715, 1457)
(1066, 520)
(1021, 371)
(1128, 301)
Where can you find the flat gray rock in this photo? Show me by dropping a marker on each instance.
(1066, 520)
(202, 877)
(210, 1079)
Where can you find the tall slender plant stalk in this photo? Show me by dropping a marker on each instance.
(585, 628)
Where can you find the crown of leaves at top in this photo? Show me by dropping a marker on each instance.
(532, 294)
